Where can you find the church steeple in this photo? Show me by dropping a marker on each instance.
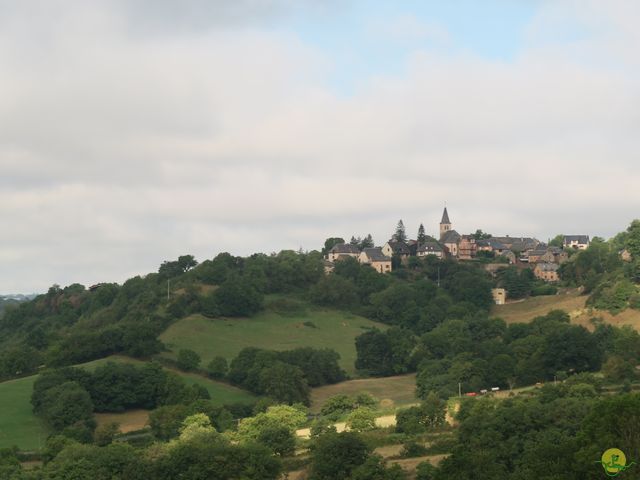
(445, 223)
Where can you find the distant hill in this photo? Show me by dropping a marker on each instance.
(14, 299)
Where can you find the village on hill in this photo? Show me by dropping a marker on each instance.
(544, 259)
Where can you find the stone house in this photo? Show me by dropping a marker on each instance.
(399, 249)
(578, 242)
(343, 250)
(376, 259)
(430, 248)
(547, 272)
(467, 247)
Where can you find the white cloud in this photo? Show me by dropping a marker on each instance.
(121, 150)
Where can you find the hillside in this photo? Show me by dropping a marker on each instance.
(570, 301)
(315, 327)
(19, 426)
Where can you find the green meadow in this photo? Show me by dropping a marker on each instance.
(318, 328)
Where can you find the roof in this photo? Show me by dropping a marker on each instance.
(430, 247)
(375, 254)
(494, 243)
(450, 237)
(345, 248)
(399, 247)
(547, 267)
(581, 239)
(445, 217)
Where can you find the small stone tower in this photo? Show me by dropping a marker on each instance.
(445, 223)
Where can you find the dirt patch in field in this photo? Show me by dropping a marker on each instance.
(129, 421)
(389, 451)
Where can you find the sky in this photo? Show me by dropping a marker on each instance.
(135, 131)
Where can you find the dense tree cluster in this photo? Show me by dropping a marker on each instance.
(68, 397)
(560, 433)
(285, 376)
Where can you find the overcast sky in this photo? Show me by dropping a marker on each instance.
(134, 131)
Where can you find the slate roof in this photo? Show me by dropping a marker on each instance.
(445, 217)
(450, 237)
(430, 247)
(375, 255)
(494, 243)
(344, 248)
(581, 239)
(399, 248)
(548, 267)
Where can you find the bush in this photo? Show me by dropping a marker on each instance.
(544, 290)
(188, 360)
(413, 449)
(218, 368)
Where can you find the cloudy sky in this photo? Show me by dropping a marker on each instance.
(134, 131)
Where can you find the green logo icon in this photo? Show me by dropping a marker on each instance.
(614, 462)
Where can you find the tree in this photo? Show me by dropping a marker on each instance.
(284, 383)
(557, 241)
(366, 242)
(336, 455)
(400, 235)
(422, 236)
(361, 419)
(330, 242)
(65, 405)
(105, 433)
(218, 368)
(237, 297)
(278, 438)
(480, 235)
(633, 239)
(188, 360)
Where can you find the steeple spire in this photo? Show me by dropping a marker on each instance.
(445, 217)
(445, 223)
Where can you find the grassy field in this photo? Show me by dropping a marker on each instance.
(569, 301)
(18, 425)
(226, 337)
(390, 391)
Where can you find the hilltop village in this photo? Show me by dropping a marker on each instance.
(543, 258)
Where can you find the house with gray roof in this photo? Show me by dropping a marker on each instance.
(430, 248)
(578, 242)
(376, 259)
(343, 250)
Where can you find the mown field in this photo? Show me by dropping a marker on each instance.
(389, 391)
(19, 426)
(571, 302)
(311, 328)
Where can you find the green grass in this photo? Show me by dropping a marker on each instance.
(390, 392)
(18, 425)
(275, 331)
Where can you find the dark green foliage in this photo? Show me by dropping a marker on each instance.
(374, 468)
(66, 405)
(429, 415)
(385, 353)
(337, 455)
(237, 297)
(544, 290)
(218, 368)
(166, 421)
(284, 383)
(188, 360)
(113, 387)
(334, 291)
(516, 282)
(285, 376)
(413, 449)
(278, 438)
